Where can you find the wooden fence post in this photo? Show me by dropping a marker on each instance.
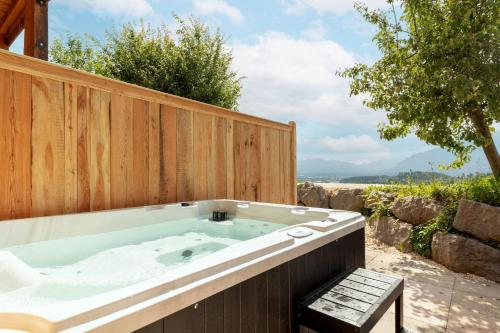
(293, 162)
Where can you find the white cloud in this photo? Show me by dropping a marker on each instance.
(294, 79)
(352, 144)
(338, 7)
(316, 31)
(205, 7)
(116, 8)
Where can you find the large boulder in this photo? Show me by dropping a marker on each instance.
(392, 232)
(347, 199)
(312, 195)
(415, 210)
(478, 219)
(374, 198)
(466, 255)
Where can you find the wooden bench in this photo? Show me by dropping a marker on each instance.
(353, 303)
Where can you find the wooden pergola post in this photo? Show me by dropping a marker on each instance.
(36, 29)
(30, 16)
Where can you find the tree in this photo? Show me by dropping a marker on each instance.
(438, 75)
(192, 63)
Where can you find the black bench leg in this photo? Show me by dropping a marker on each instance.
(399, 314)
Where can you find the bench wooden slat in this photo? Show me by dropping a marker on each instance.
(369, 282)
(346, 301)
(362, 287)
(336, 310)
(375, 275)
(359, 295)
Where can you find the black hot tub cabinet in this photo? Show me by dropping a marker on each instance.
(261, 259)
(264, 303)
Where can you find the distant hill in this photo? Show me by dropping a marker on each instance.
(428, 161)
(402, 177)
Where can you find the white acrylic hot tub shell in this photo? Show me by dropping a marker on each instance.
(135, 306)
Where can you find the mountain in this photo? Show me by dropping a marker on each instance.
(430, 161)
(426, 161)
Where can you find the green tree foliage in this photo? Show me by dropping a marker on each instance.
(438, 75)
(193, 62)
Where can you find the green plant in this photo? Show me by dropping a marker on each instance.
(485, 190)
(192, 62)
(438, 75)
(382, 209)
(421, 235)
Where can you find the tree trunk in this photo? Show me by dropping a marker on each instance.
(489, 148)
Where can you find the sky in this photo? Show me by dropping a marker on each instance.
(287, 52)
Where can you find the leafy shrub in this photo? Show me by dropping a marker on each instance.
(485, 190)
(421, 235)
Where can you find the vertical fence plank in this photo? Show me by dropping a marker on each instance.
(6, 106)
(212, 160)
(274, 166)
(100, 150)
(292, 148)
(285, 158)
(168, 154)
(266, 161)
(138, 171)
(15, 144)
(48, 146)
(154, 153)
(70, 148)
(83, 149)
(239, 155)
(185, 156)
(121, 148)
(202, 137)
(229, 159)
(220, 154)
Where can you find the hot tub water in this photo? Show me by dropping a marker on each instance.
(77, 267)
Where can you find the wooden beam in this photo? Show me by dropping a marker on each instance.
(14, 31)
(36, 26)
(16, 9)
(12, 23)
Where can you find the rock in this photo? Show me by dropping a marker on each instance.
(478, 219)
(466, 255)
(374, 198)
(392, 232)
(311, 195)
(347, 199)
(415, 210)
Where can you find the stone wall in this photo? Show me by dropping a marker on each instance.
(476, 251)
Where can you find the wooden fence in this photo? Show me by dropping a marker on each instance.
(73, 142)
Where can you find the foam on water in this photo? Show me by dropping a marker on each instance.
(121, 258)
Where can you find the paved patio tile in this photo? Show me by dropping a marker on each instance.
(413, 267)
(436, 300)
(480, 287)
(426, 303)
(386, 325)
(371, 254)
(474, 314)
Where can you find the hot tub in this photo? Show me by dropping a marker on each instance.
(171, 268)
